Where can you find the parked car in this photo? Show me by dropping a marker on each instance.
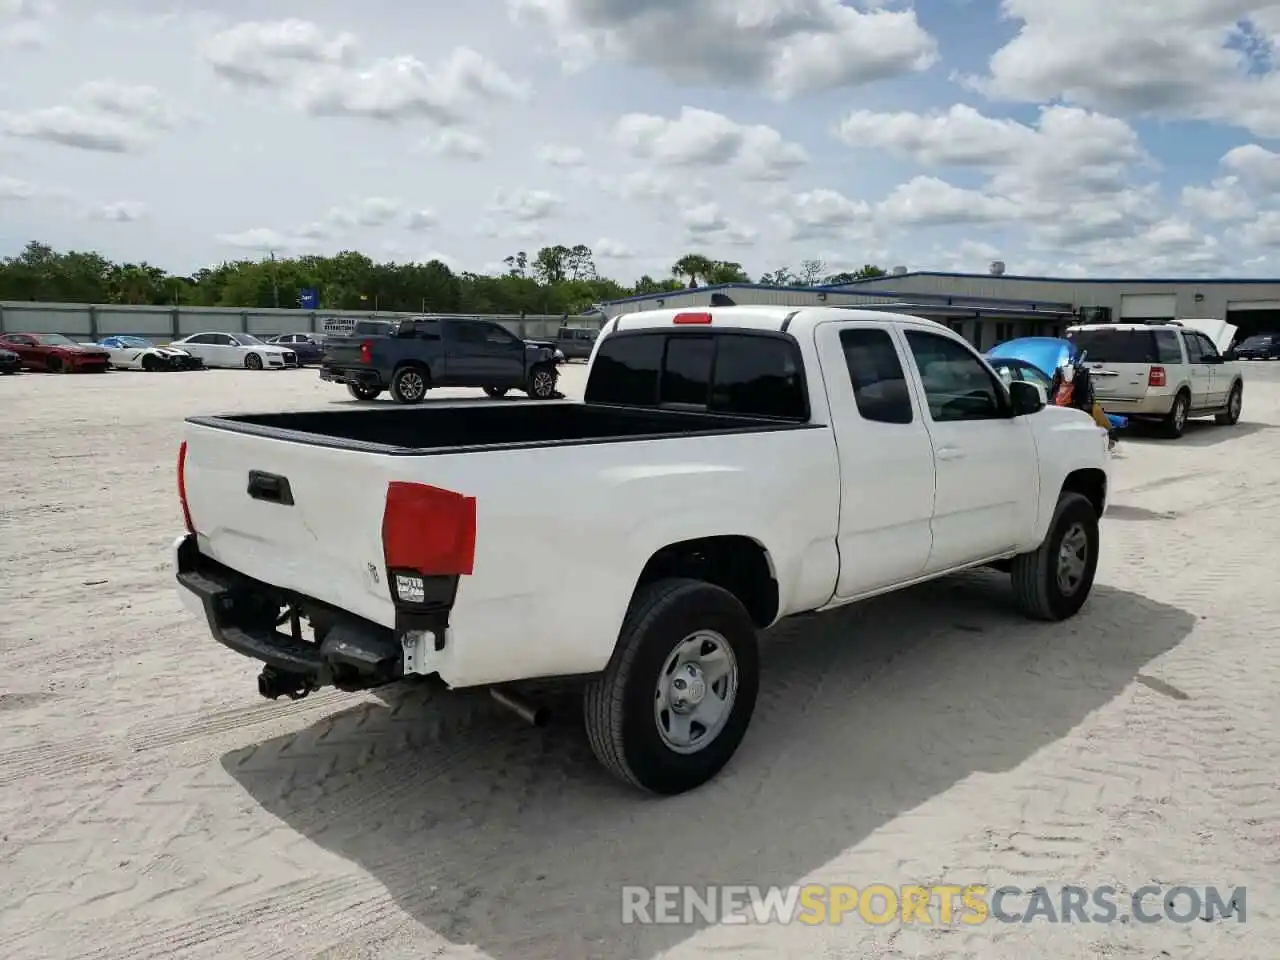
(10, 362)
(55, 353)
(576, 342)
(1262, 346)
(1160, 372)
(411, 356)
(139, 353)
(237, 350)
(733, 467)
(307, 346)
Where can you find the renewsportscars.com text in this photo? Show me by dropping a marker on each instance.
(936, 904)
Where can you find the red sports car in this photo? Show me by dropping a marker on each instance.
(55, 353)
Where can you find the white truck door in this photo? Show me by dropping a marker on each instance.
(987, 476)
(886, 459)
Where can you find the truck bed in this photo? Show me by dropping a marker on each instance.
(453, 427)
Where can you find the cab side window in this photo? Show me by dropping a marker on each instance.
(956, 384)
(1195, 351)
(879, 385)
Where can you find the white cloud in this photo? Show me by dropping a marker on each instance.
(785, 49)
(1257, 166)
(827, 214)
(706, 223)
(421, 219)
(1190, 59)
(606, 249)
(122, 211)
(103, 116)
(928, 201)
(24, 35)
(455, 145)
(318, 73)
(555, 156)
(1223, 201)
(264, 240)
(525, 206)
(702, 138)
(369, 212)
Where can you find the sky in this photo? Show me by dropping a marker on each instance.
(1114, 138)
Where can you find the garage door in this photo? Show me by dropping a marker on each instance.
(1148, 306)
(1253, 316)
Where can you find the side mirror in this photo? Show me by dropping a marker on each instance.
(1228, 355)
(1027, 398)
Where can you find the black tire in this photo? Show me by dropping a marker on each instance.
(1037, 590)
(149, 364)
(542, 381)
(619, 706)
(495, 392)
(253, 362)
(55, 365)
(410, 384)
(362, 392)
(1235, 400)
(1175, 422)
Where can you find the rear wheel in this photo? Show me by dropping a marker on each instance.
(1175, 423)
(675, 700)
(409, 385)
(362, 392)
(1235, 400)
(1053, 581)
(495, 392)
(253, 362)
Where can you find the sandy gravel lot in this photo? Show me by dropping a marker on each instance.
(151, 805)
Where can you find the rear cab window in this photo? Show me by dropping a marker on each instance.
(756, 374)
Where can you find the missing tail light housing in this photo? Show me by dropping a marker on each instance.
(366, 352)
(182, 487)
(1157, 378)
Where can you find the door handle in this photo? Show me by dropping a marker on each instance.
(270, 487)
(950, 453)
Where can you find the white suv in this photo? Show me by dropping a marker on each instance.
(1159, 371)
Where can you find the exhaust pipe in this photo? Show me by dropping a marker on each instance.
(534, 714)
(274, 684)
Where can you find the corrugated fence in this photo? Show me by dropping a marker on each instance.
(83, 321)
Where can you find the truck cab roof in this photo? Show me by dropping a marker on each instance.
(773, 318)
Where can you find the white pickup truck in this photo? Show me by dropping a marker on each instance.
(725, 470)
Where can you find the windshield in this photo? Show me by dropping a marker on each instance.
(133, 341)
(1115, 346)
(55, 340)
(247, 340)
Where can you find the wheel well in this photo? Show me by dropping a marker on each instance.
(1091, 484)
(412, 365)
(734, 563)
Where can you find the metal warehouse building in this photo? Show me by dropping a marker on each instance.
(989, 308)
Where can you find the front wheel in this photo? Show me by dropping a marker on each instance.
(675, 700)
(362, 392)
(253, 362)
(1053, 581)
(409, 385)
(542, 383)
(1234, 402)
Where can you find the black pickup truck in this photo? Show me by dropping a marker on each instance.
(408, 357)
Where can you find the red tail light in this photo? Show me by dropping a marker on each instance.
(366, 352)
(1156, 377)
(182, 487)
(430, 530)
(691, 318)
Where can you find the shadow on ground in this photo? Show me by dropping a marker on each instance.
(1198, 433)
(513, 839)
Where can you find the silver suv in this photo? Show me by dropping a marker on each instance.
(1161, 372)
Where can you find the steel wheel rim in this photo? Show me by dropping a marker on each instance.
(695, 693)
(1073, 558)
(412, 385)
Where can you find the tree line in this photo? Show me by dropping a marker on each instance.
(555, 280)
